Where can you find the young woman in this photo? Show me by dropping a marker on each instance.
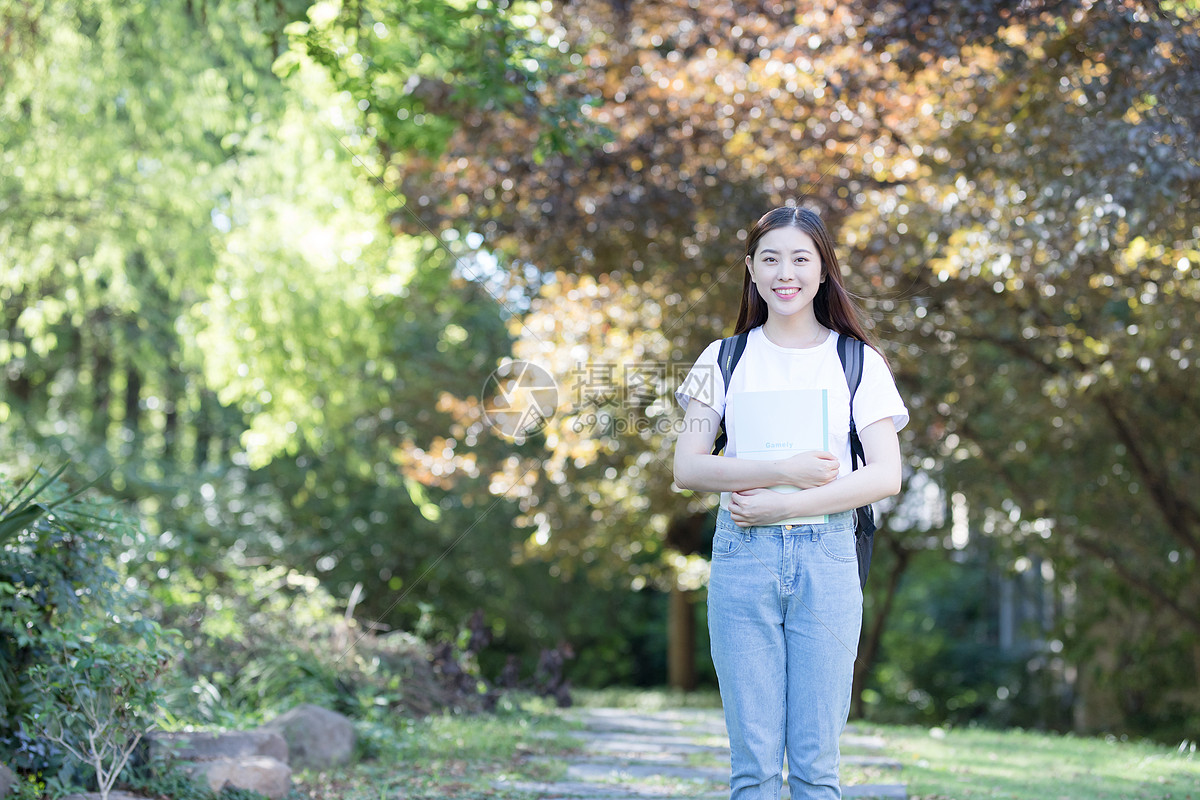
(784, 603)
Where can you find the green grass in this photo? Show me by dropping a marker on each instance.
(464, 757)
(459, 756)
(965, 764)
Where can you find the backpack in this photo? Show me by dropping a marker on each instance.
(850, 352)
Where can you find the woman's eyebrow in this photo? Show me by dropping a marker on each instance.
(776, 252)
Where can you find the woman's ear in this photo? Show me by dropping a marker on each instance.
(750, 266)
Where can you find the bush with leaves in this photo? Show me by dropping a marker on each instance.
(97, 693)
(74, 652)
(52, 561)
(261, 639)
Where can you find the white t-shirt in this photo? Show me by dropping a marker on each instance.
(765, 366)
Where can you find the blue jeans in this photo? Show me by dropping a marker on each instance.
(784, 616)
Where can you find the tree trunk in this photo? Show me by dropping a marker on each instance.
(690, 535)
(100, 352)
(681, 640)
(869, 649)
(133, 397)
(204, 424)
(19, 384)
(173, 395)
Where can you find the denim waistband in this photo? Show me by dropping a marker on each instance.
(837, 522)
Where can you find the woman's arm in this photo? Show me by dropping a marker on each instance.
(877, 479)
(697, 469)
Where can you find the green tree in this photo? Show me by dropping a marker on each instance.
(1051, 251)
(933, 138)
(208, 288)
(629, 250)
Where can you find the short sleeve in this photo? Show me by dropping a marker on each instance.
(877, 396)
(704, 382)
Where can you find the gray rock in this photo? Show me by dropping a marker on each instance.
(870, 761)
(691, 721)
(581, 790)
(206, 746)
(633, 743)
(8, 780)
(615, 771)
(893, 791)
(862, 741)
(316, 737)
(261, 774)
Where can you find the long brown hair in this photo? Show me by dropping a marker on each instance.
(834, 306)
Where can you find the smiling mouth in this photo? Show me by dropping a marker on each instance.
(787, 292)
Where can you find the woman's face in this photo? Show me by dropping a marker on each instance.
(786, 270)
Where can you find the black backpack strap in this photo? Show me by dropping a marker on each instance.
(851, 353)
(731, 352)
(732, 348)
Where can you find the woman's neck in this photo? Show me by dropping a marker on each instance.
(795, 332)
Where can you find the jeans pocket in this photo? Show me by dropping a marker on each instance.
(726, 542)
(839, 546)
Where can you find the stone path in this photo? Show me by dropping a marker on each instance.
(684, 753)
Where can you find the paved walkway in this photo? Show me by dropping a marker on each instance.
(684, 753)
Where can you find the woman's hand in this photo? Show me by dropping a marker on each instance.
(757, 507)
(810, 469)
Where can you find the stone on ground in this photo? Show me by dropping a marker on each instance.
(203, 746)
(262, 774)
(316, 737)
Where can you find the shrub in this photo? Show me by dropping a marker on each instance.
(49, 565)
(96, 695)
(264, 638)
(75, 659)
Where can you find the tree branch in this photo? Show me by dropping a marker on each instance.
(1180, 516)
(1144, 584)
(1147, 586)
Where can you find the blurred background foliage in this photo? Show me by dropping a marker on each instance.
(259, 260)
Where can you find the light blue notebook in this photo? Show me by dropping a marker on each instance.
(773, 425)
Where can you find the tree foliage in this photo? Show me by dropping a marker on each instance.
(1053, 256)
(1014, 182)
(78, 660)
(203, 290)
(265, 256)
